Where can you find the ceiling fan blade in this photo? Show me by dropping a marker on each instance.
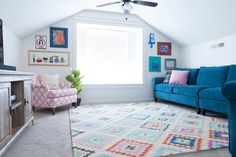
(150, 4)
(102, 5)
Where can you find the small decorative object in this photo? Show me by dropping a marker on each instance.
(58, 37)
(154, 64)
(164, 48)
(50, 58)
(170, 64)
(151, 40)
(40, 42)
(75, 79)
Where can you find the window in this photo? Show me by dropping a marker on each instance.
(110, 54)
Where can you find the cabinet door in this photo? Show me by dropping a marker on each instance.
(28, 98)
(5, 118)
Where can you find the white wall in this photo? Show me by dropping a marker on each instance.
(204, 55)
(11, 45)
(105, 93)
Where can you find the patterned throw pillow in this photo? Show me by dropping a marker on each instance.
(167, 79)
(50, 80)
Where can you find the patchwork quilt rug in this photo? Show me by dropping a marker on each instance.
(143, 129)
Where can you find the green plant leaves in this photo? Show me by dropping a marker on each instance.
(75, 79)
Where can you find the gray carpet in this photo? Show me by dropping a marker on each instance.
(50, 137)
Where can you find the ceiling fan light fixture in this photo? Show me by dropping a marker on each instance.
(127, 12)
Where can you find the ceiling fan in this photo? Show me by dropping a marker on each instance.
(124, 2)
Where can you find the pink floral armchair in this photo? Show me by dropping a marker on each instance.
(43, 97)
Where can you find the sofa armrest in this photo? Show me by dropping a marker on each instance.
(229, 90)
(157, 80)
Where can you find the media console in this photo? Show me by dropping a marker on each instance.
(15, 105)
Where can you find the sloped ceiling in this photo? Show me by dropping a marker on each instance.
(187, 22)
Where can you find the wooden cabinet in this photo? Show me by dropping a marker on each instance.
(5, 119)
(15, 114)
(28, 100)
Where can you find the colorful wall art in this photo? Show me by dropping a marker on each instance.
(170, 64)
(48, 58)
(58, 37)
(40, 42)
(154, 64)
(151, 40)
(164, 48)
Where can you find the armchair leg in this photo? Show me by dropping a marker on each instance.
(53, 111)
(74, 104)
(33, 108)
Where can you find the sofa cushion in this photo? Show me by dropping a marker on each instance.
(212, 76)
(212, 93)
(232, 73)
(192, 76)
(61, 92)
(165, 88)
(188, 90)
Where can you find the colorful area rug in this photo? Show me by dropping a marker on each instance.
(143, 129)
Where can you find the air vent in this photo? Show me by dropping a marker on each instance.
(217, 45)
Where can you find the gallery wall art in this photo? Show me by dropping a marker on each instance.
(170, 64)
(151, 41)
(164, 48)
(40, 42)
(58, 37)
(48, 58)
(154, 64)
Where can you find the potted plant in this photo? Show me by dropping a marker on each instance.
(75, 79)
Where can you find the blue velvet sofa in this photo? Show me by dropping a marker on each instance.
(209, 88)
(204, 89)
(229, 91)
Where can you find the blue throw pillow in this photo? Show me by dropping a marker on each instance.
(212, 76)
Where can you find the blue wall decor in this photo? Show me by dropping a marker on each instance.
(151, 40)
(58, 37)
(154, 64)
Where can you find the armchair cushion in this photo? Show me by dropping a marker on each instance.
(50, 80)
(61, 92)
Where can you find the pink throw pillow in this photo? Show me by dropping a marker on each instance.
(179, 77)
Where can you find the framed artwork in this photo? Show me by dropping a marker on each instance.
(40, 42)
(58, 37)
(48, 58)
(154, 64)
(170, 64)
(164, 48)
